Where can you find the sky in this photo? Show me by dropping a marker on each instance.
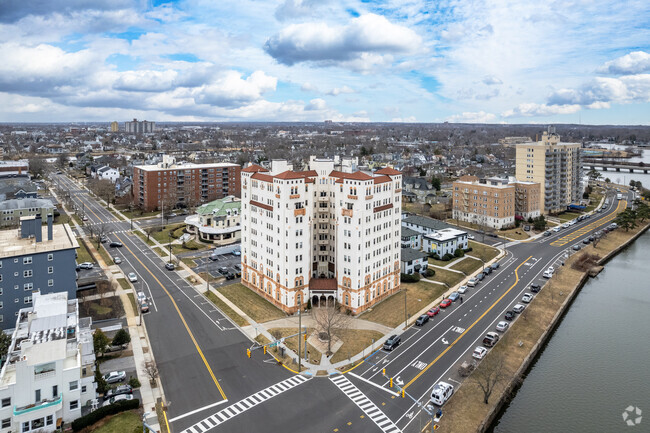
(497, 61)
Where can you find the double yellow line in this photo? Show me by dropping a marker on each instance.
(575, 235)
(471, 326)
(196, 344)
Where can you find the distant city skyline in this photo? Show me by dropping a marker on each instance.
(313, 60)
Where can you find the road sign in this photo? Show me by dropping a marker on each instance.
(275, 343)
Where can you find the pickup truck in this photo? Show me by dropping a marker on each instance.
(490, 339)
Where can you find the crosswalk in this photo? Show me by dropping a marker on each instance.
(243, 405)
(364, 403)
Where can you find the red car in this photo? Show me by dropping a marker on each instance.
(445, 303)
(432, 312)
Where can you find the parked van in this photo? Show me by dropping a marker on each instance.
(619, 196)
(441, 393)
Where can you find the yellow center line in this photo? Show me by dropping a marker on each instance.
(196, 344)
(471, 326)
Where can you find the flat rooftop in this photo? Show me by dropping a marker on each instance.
(184, 166)
(11, 244)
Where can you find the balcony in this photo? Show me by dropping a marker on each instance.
(294, 196)
(277, 196)
(323, 242)
(346, 212)
(297, 212)
(352, 197)
(41, 405)
(369, 197)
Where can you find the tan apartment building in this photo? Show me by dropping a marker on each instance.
(115, 127)
(486, 202)
(527, 202)
(556, 166)
(171, 184)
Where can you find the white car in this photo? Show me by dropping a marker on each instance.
(441, 392)
(556, 229)
(470, 237)
(462, 289)
(132, 277)
(547, 274)
(565, 225)
(117, 260)
(141, 297)
(472, 282)
(572, 222)
(551, 269)
(518, 308)
(118, 398)
(527, 298)
(479, 352)
(503, 326)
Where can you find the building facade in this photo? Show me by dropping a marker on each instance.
(412, 261)
(139, 127)
(49, 372)
(171, 184)
(411, 239)
(556, 166)
(445, 241)
(115, 127)
(12, 210)
(31, 260)
(328, 234)
(218, 222)
(485, 202)
(14, 168)
(527, 201)
(107, 173)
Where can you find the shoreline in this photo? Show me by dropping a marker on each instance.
(504, 393)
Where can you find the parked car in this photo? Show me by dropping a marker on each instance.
(392, 342)
(103, 238)
(121, 389)
(119, 398)
(237, 267)
(85, 265)
(503, 326)
(169, 266)
(85, 218)
(551, 269)
(115, 376)
(445, 303)
(487, 270)
(434, 311)
(526, 228)
(470, 237)
(115, 245)
(556, 229)
(144, 306)
(518, 308)
(547, 233)
(472, 282)
(454, 296)
(422, 320)
(479, 352)
(117, 260)
(527, 298)
(480, 276)
(223, 270)
(577, 247)
(495, 266)
(535, 287)
(236, 253)
(132, 277)
(490, 339)
(141, 297)
(441, 392)
(510, 315)
(547, 274)
(238, 274)
(462, 289)
(230, 276)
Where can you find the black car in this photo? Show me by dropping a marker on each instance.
(495, 266)
(115, 244)
(237, 267)
(480, 276)
(422, 320)
(487, 271)
(122, 389)
(230, 276)
(535, 288)
(510, 315)
(392, 342)
(586, 241)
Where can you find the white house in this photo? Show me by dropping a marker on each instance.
(49, 372)
(413, 261)
(411, 239)
(444, 241)
(107, 173)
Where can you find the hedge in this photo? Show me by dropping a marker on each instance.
(410, 278)
(111, 409)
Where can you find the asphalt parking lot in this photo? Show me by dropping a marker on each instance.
(204, 264)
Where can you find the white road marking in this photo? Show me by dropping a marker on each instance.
(375, 384)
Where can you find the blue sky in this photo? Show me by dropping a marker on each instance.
(310, 60)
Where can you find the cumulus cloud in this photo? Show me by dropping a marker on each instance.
(540, 110)
(233, 91)
(365, 40)
(308, 87)
(316, 104)
(13, 10)
(472, 117)
(340, 90)
(491, 80)
(410, 119)
(146, 81)
(622, 90)
(636, 62)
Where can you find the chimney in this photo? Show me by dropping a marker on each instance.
(38, 230)
(49, 227)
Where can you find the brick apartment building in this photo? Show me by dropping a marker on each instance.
(172, 184)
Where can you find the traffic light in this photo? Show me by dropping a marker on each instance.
(248, 352)
(305, 335)
(403, 394)
(383, 371)
(265, 350)
(391, 382)
(436, 427)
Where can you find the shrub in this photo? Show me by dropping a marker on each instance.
(410, 278)
(468, 250)
(458, 253)
(134, 382)
(429, 273)
(111, 409)
(447, 257)
(121, 337)
(102, 386)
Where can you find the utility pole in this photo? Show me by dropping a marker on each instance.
(406, 319)
(299, 335)
(170, 246)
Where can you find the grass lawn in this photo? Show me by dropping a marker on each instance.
(83, 255)
(125, 422)
(594, 199)
(258, 308)
(125, 284)
(99, 310)
(354, 341)
(134, 305)
(482, 251)
(77, 219)
(226, 309)
(190, 246)
(448, 277)
(164, 235)
(144, 237)
(568, 216)
(136, 214)
(188, 261)
(292, 343)
(517, 234)
(468, 265)
(118, 216)
(442, 262)
(390, 312)
(107, 258)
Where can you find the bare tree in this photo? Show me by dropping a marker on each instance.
(103, 188)
(37, 166)
(151, 370)
(489, 374)
(149, 230)
(99, 232)
(330, 321)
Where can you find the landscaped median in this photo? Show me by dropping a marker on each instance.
(466, 411)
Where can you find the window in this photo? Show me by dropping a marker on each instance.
(6, 402)
(50, 257)
(28, 286)
(49, 420)
(25, 426)
(50, 283)
(74, 404)
(55, 391)
(27, 300)
(6, 423)
(27, 273)
(83, 388)
(74, 385)
(37, 397)
(27, 260)
(50, 269)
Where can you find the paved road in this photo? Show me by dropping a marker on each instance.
(263, 397)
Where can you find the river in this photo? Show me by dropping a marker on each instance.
(597, 361)
(624, 177)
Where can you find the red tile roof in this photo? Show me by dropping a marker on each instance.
(357, 175)
(382, 179)
(388, 171)
(262, 177)
(254, 168)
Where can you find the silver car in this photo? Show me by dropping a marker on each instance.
(518, 308)
(503, 326)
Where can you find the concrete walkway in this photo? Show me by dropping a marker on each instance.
(309, 322)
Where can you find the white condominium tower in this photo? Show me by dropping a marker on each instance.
(322, 235)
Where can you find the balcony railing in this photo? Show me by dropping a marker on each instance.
(346, 212)
(40, 405)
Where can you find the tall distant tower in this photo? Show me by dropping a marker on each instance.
(115, 126)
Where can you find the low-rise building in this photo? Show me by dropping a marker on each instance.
(411, 238)
(14, 168)
(49, 372)
(424, 225)
(12, 210)
(413, 261)
(30, 261)
(527, 199)
(445, 241)
(218, 222)
(107, 173)
(485, 202)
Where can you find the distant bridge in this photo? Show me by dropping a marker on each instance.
(609, 165)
